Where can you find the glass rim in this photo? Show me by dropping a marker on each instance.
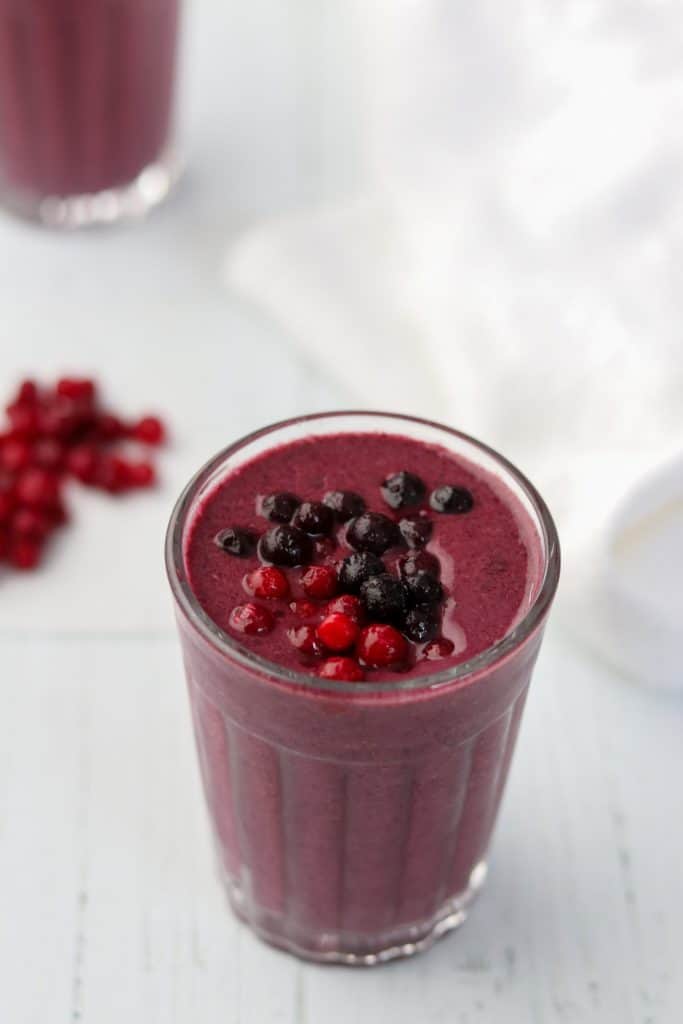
(231, 649)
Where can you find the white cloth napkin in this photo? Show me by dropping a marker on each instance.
(514, 267)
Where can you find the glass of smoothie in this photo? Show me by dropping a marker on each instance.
(86, 102)
(361, 599)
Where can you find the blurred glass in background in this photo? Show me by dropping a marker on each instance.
(86, 99)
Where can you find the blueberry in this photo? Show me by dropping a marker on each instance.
(419, 561)
(344, 504)
(236, 541)
(279, 508)
(448, 498)
(357, 568)
(423, 589)
(421, 625)
(373, 532)
(313, 518)
(285, 545)
(416, 530)
(403, 489)
(384, 598)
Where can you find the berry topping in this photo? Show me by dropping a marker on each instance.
(348, 605)
(149, 430)
(267, 582)
(319, 581)
(235, 540)
(403, 489)
(422, 588)
(344, 504)
(342, 669)
(324, 546)
(422, 624)
(279, 508)
(447, 498)
(251, 619)
(437, 649)
(304, 639)
(285, 545)
(373, 532)
(381, 646)
(416, 530)
(337, 631)
(304, 609)
(313, 518)
(384, 598)
(419, 561)
(358, 568)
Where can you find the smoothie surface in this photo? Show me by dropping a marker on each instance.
(483, 553)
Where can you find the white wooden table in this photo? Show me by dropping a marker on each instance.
(109, 907)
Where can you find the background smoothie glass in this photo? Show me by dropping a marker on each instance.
(86, 99)
(352, 820)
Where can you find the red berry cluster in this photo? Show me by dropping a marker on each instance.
(52, 434)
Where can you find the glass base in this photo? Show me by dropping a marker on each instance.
(358, 950)
(110, 206)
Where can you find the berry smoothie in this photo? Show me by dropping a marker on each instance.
(361, 601)
(85, 99)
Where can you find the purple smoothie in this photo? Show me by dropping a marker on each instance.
(85, 94)
(352, 819)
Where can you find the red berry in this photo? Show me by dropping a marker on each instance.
(380, 646)
(266, 581)
(23, 420)
(29, 522)
(141, 474)
(4, 543)
(304, 609)
(109, 427)
(304, 639)
(82, 463)
(342, 669)
(7, 496)
(347, 604)
(319, 581)
(149, 430)
(48, 453)
(438, 649)
(57, 513)
(112, 475)
(27, 393)
(24, 552)
(15, 455)
(251, 619)
(76, 388)
(337, 631)
(37, 487)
